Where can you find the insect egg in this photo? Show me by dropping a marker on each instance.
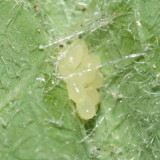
(84, 80)
(75, 90)
(97, 82)
(86, 110)
(88, 67)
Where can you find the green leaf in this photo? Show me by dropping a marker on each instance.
(37, 119)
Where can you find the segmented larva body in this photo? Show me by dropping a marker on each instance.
(82, 77)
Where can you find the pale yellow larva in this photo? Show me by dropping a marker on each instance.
(82, 87)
